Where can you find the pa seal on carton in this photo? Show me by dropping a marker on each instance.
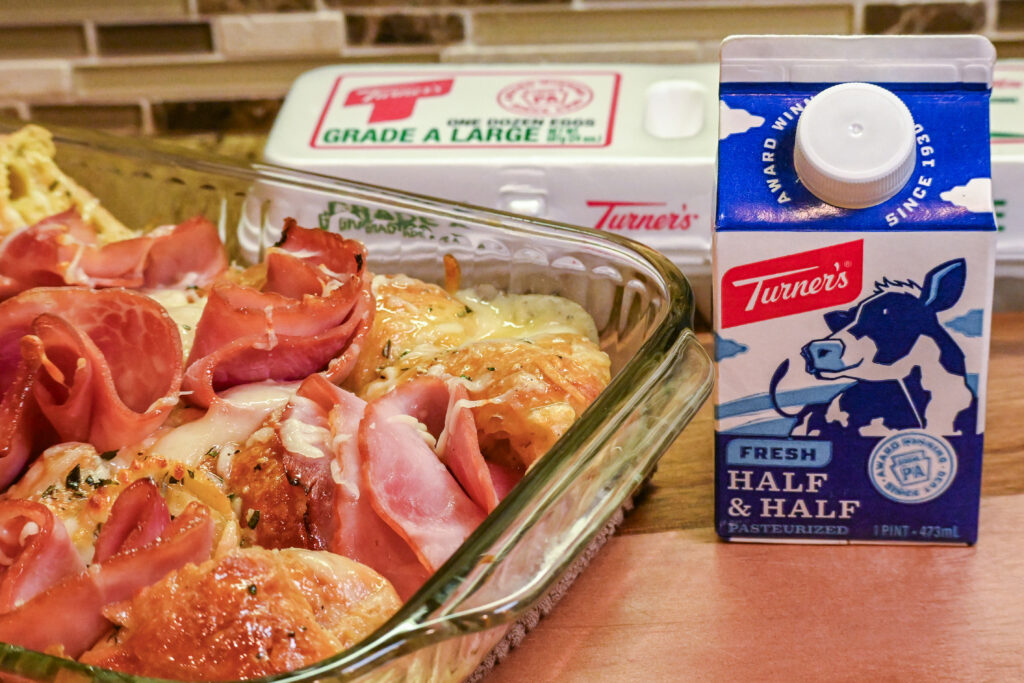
(853, 266)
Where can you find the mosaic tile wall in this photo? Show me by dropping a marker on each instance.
(180, 67)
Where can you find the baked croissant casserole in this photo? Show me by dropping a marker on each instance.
(218, 473)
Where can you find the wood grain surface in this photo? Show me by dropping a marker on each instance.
(681, 606)
(666, 601)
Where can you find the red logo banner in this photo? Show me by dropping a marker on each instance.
(792, 284)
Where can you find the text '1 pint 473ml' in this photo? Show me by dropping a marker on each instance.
(853, 256)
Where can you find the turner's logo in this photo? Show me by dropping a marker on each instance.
(641, 216)
(396, 101)
(792, 284)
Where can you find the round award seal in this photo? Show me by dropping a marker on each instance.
(912, 467)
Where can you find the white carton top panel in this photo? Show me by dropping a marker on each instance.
(875, 59)
(345, 116)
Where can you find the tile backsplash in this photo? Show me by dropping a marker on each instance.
(176, 67)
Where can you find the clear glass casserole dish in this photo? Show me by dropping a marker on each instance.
(641, 303)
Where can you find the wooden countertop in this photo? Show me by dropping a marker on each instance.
(665, 601)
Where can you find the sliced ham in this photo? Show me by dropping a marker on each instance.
(47, 254)
(357, 530)
(64, 250)
(188, 255)
(304, 476)
(504, 478)
(460, 449)
(69, 615)
(35, 552)
(21, 423)
(305, 433)
(69, 357)
(408, 485)
(311, 315)
(137, 518)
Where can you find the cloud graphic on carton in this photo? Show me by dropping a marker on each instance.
(975, 196)
(727, 348)
(735, 121)
(969, 324)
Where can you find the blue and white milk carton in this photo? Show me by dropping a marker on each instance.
(853, 264)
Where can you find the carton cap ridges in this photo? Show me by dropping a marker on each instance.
(855, 145)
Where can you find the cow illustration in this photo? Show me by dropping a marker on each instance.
(908, 372)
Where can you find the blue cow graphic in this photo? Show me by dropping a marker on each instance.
(908, 371)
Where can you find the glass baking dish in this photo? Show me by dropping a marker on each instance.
(641, 303)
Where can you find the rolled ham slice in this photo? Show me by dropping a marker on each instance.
(311, 315)
(137, 518)
(64, 250)
(21, 423)
(189, 254)
(35, 552)
(356, 530)
(70, 360)
(69, 615)
(460, 449)
(408, 485)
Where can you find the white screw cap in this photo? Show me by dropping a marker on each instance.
(855, 145)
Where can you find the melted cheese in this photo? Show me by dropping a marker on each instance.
(185, 306)
(432, 322)
(301, 438)
(521, 316)
(229, 421)
(420, 428)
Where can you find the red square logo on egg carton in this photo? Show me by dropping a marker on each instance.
(396, 101)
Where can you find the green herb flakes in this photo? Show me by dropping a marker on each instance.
(74, 478)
